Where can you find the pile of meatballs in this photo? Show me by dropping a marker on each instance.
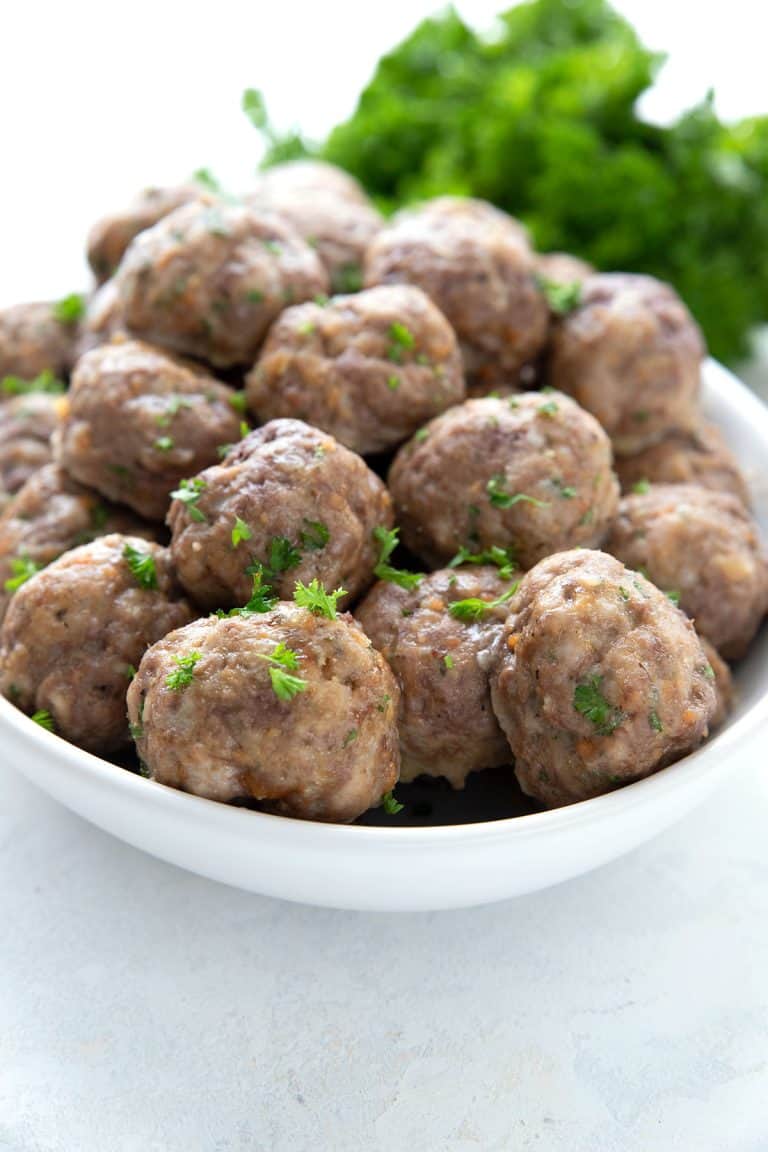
(303, 502)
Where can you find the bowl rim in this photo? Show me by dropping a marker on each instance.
(643, 793)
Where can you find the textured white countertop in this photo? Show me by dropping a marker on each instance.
(145, 1010)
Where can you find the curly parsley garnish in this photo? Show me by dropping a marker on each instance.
(390, 805)
(23, 569)
(45, 382)
(283, 661)
(44, 719)
(262, 599)
(240, 532)
(500, 498)
(184, 673)
(314, 597)
(314, 535)
(503, 558)
(474, 608)
(589, 701)
(142, 566)
(561, 297)
(402, 340)
(388, 540)
(69, 310)
(188, 493)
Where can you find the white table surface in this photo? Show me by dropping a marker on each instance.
(145, 1010)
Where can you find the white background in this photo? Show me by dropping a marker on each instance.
(144, 1010)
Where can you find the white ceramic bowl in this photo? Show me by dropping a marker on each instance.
(415, 867)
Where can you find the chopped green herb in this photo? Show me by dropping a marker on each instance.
(448, 662)
(184, 673)
(321, 300)
(136, 731)
(475, 609)
(262, 600)
(240, 532)
(70, 309)
(206, 179)
(315, 535)
(245, 429)
(283, 661)
(282, 555)
(44, 719)
(350, 738)
(589, 701)
(562, 298)
(548, 409)
(99, 516)
(382, 704)
(254, 107)
(421, 435)
(45, 382)
(254, 296)
(238, 402)
(625, 595)
(142, 566)
(500, 498)
(674, 596)
(130, 672)
(390, 805)
(314, 597)
(402, 340)
(272, 246)
(188, 493)
(567, 491)
(23, 568)
(587, 518)
(655, 722)
(709, 672)
(307, 328)
(164, 443)
(641, 487)
(348, 278)
(173, 407)
(393, 383)
(224, 450)
(503, 558)
(388, 541)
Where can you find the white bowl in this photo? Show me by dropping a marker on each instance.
(415, 867)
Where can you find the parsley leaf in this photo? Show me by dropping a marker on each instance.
(641, 487)
(45, 382)
(500, 498)
(388, 539)
(655, 722)
(184, 673)
(142, 566)
(283, 661)
(474, 608)
(206, 179)
(23, 568)
(262, 599)
(240, 532)
(44, 719)
(503, 558)
(69, 310)
(315, 535)
(390, 805)
(562, 298)
(314, 597)
(589, 701)
(402, 340)
(189, 492)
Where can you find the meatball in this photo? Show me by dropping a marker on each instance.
(74, 632)
(447, 726)
(139, 421)
(337, 227)
(209, 279)
(562, 267)
(26, 426)
(49, 515)
(110, 236)
(287, 503)
(722, 679)
(599, 679)
(476, 265)
(531, 473)
(704, 548)
(700, 456)
(307, 178)
(369, 369)
(213, 713)
(630, 352)
(33, 340)
(103, 319)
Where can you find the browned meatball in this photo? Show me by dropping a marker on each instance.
(110, 236)
(531, 473)
(139, 421)
(213, 713)
(370, 369)
(562, 267)
(49, 515)
(704, 548)
(630, 352)
(337, 227)
(477, 266)
(33, 340)
(209, 279)
(75, 631)
(700, 456)
(289, 502)
(600, 680)
(723, 681)
(299, 178)
(447, 726)
(26, 426)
